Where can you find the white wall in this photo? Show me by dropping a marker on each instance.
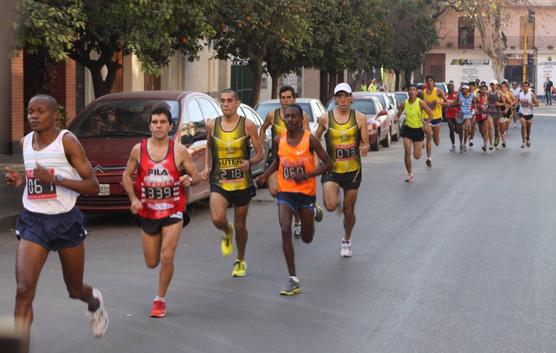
(546, 67)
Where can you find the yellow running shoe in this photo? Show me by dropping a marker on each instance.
(227, 245)
(240, 268)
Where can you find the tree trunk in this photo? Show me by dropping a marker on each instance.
(275, 75)
(100, 86)
(407, 76)
(397, 72)
(340, 76)
(332, 80)
(257, 68)
(498, 67)
(324, 94)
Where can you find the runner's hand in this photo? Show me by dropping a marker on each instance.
(12, 177)
(260, 181)
(43, 174)
(136, 206)
(244, 165)
(299, 177)
(185, 180)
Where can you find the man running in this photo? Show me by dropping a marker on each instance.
(56, 172)
(465, 103)
(275, 120)
(515, 92)
(228, 166)
(451, 112)
(475, 91)
(347, 139)
(435, 99)
(158, 197)
(297, 186)
(527, 100)
(414, 128)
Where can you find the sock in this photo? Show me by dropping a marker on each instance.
(159, 298)
(295, 279)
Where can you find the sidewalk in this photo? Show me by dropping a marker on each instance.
(10, 206)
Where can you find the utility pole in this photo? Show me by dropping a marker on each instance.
(530, 19)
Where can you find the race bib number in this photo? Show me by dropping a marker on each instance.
(37, 190)
(344, 152)
(159, 193)
(231, 174)
(290, 172)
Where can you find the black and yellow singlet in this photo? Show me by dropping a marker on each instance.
(229, 149)
(342, 144)
(278, 124)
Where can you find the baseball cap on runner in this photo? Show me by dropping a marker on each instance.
(342, 87)
(493, 82)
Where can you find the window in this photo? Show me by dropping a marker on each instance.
(524, 24)
(193, 112)
(208, 108)
(194, 127)
(466, 33)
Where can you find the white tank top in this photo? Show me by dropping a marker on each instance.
(47, 198)
(525, 103)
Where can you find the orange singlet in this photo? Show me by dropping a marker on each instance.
(296, 159)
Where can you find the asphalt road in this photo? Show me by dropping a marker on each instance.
(462, 260)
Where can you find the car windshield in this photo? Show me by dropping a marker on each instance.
(129, 118)
(263, 109)
(365, 106)
(401, 97)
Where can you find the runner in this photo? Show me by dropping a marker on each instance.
(434, 97)
(465, 103)
(297, 184)
(228, 166)
(475, 91)
(274, 118)
(527, 100)
(158, 197)
(451, 112)
(507, 110)
(515, 92)
(495, 103)
(481, 106)
(347, 139)
(413, 127)
(56, 172)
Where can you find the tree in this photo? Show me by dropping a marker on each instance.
(414, 33)
(490, 20)
(91, 32)
(248, 29)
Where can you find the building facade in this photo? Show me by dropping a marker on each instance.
(530, 36)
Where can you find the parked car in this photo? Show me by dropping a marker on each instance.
(312, 106)
(387, 102)
(111, 125)
(401, 97)
(251, 114)
(378, 122)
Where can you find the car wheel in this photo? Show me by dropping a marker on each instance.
(388, 140)
(376, 145)
(396, 137)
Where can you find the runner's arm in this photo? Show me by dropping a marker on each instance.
(400, 111)
(324, 157)
(362, 123)
(261, 179)
(321, 128)
(76, 156)
(535, 100)
(189, 167)
(11, 176)
(208, 151)
(425, 107)
(130, 168)
(266, 123)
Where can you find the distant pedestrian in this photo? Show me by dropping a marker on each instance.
(548, 88)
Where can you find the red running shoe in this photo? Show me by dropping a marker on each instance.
(158, 309)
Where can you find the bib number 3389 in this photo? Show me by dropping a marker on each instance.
(37, 190)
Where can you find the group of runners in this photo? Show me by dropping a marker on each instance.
(490, 108)
(57, 171)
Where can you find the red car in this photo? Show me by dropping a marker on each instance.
(110, 126)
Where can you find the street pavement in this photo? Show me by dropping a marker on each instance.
(462, 260)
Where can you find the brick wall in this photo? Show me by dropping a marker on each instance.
(63, 88)
(17, 113)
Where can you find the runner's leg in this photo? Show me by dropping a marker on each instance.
(350, 198)
(73, 263)
(285, 217)
(331, 195)
(240, 217)
(407, 153)
(218, 206)
(272, 182)
(170, 239)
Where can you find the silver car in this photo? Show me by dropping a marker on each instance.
(312, 106)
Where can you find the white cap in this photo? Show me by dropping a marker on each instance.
(342, 87)
(465, 86)
(493, 82)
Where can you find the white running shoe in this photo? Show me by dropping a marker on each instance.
(346, 249)
(99, 318)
